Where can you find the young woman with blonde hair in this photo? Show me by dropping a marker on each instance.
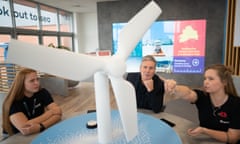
(28, 108)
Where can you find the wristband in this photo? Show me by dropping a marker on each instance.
(42, 127)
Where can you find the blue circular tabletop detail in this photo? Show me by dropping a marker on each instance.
(74, 131)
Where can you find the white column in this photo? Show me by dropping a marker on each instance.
(103, 108)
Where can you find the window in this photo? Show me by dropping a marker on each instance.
(50, 40)
(4, 39)
(48, 18)
(67, 42)
(28, 38)
(26, 15)
(65, 21)
(5, 14)
(35, 23)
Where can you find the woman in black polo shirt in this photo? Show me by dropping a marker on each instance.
(218, 105)
(28, 108)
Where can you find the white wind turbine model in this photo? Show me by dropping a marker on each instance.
(78, 67)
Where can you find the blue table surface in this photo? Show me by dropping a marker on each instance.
(74, 131)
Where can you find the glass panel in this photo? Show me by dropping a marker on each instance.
(28, 38)
(50, 40)
(48, 18)
(66, 42)
(4, 39)
(5, 14)
(26, 15)
(65, 21)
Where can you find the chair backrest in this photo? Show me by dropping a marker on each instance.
(236, 81)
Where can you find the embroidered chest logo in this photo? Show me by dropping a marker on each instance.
(222, 114)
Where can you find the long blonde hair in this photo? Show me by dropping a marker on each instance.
(16, 92)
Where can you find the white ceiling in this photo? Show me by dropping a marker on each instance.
(81, 6)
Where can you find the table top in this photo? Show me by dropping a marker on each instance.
(180, 128)
(73, 131)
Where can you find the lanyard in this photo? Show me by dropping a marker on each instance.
(27, 108)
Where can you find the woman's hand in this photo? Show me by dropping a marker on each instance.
(196, 131)
(30, 128)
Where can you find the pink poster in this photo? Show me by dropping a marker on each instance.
(189, 38)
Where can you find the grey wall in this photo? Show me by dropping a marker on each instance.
(214, 11)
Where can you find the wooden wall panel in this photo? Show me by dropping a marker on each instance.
(232, 53)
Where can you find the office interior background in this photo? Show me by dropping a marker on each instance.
(43, 22)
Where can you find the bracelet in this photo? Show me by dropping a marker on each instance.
(42, 127)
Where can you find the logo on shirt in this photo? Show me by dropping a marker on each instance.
(37, 105)
(222, 114)
(224, 122)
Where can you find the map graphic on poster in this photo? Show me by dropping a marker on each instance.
(189, 46)
(178, 46)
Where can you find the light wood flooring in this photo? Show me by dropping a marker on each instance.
(80, 99)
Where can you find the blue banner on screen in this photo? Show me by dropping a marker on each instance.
(178, 46)
(188, 64)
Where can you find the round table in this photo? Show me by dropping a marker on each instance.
(74, 131)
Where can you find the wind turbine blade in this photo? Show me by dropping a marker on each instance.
(125, 97)
(135, 29)
(53, 61)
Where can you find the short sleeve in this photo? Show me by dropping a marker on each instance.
(45, 97)
(201, 96)
(15, 108)
(235, 114)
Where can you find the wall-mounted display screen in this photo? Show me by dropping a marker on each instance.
(178, 46)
